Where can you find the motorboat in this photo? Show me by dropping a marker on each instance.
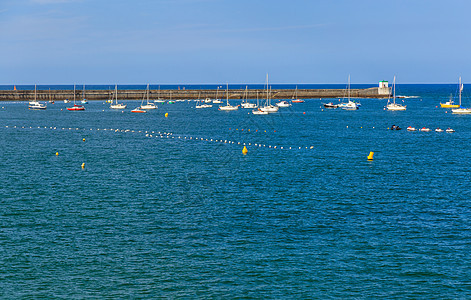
(449, 130)
(449, 104)
(283, 104)
(138, 110)
(439, 130)
(410, 128)
(330, 105)
(425, 129)
(36, 106)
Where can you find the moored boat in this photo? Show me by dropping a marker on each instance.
(330, 105)
(76, 107)
(393, 105)
(461, 110)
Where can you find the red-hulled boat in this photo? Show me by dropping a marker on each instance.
(76, 107)
(138, 110)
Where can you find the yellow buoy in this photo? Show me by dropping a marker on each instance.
(370, 157)
(83, 165)
(83, 139)
(166, 115)
(57, 153)
(244, 150)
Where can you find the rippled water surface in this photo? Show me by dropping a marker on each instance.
(171, 215)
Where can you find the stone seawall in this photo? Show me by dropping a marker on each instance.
(59, 95)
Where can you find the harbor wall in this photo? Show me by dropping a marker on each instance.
(60, 95)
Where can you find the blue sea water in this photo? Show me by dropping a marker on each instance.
(171, 215)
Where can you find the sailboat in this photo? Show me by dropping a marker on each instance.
(217, 101)
(461, 110)
(228, 106)
(76, 107)
(158, 100)
(148, 105)
(350, 105)
(199, 105)
(258, 111)
(84, 101)
(268, 106)
(245, 102)
(35, 105)
(295, 97)
(393, 105)
(117, 105)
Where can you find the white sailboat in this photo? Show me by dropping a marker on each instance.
(393, 105)
(245, 102)
(35, 104)
(350, 105)
(228, 107)
(84, 100)
(148, 105)
(461, 110)
(295, 98)
(257, 111)
(199, 105)
(158, 100)
(117, 105)
(269, 108)
(217, 101)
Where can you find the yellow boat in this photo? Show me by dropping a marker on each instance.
(449, 104)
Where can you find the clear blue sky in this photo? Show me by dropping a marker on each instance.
(237, 41)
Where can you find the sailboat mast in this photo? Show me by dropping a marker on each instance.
(461, 88)
(74, 93)
(267, 89)
(348, 87)
(394, 89)
(227, 93)
(35, 92)
(147, 93)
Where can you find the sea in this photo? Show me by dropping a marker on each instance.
(111, 204)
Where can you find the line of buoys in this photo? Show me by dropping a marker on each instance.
(168, 135)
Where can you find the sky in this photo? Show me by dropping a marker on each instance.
(234, 41)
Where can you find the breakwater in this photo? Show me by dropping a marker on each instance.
(58, 95)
